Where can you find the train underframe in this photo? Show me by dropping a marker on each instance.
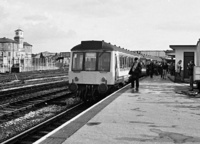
(90, 93)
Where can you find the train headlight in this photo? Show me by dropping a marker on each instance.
(102, 88)
(103, 80)
(73, 87)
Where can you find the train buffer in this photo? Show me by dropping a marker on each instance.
(155, 114)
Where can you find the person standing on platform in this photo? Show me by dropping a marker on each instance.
(165, 67)
(147, 68)
(135, 72)
(151, 68)
(178, 68)
(190, 73)
(161, 69)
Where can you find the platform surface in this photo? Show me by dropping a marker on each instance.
(156, 114)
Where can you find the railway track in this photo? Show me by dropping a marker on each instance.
(12, 95)
(17, 84)
(22, 110)
(13, 108)
(33, 134)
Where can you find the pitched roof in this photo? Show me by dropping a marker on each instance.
(65, 54)
(18, 30)
(7, 40)
(182, 46)
(46, 53)
(27, 44)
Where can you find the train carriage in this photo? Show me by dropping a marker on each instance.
(97, 67)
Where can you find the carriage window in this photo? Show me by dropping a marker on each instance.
(127, 62)
(121, 61)
(77, 61)
(90, 61)
(104, 62)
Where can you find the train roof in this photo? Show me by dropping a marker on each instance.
(100, 45)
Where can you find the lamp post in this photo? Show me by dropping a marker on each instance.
(3, 61)
(13, 55)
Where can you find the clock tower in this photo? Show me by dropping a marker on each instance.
(19, 38)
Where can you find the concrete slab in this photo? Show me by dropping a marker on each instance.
(154, 115)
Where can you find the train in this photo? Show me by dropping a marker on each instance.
(97, 67)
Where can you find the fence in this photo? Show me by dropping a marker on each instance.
(51, 66)
(38, 67)
(33, 64)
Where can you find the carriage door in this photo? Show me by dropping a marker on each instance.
(188, 56)
(116, 68)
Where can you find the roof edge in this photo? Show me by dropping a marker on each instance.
(176, 46)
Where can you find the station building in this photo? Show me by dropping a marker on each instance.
(186, 53)
(15, 55)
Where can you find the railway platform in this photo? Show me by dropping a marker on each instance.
(158, 113)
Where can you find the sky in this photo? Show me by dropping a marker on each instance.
(59, 25)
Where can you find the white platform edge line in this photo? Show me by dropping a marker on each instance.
(63, 125)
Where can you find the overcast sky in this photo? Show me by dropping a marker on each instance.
(58, 25)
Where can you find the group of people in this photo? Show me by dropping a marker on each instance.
(136, 68)
(157, 69)
(190, 68)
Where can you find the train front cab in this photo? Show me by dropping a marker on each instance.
(91, 72)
